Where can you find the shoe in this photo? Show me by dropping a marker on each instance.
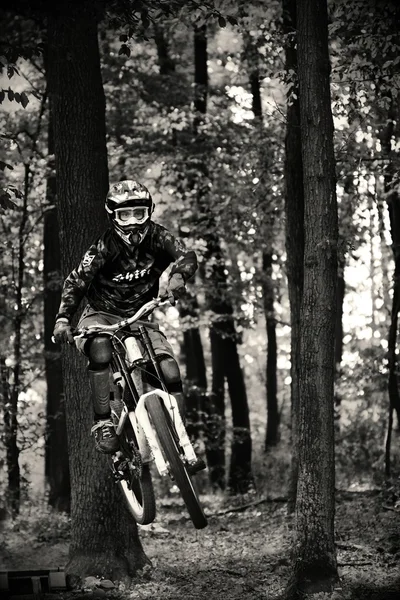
(105, 438)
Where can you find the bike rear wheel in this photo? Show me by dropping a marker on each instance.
(169, 446)
(139, 497)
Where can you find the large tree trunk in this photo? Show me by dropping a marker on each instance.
(314, 560)
(56, 451)
(294, 209)
(225, 358)
(105, 540)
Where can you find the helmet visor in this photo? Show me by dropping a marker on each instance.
(134, 215)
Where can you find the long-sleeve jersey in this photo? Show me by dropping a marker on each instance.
(119, 279)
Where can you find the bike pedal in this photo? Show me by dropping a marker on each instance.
(194, 468)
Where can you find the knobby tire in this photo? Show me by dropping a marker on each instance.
(139, 498)
(164, 429)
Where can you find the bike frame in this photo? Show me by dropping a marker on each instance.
(135, 410)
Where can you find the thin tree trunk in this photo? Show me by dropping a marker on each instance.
(225, 358)
(165, 62)
(192, 347)
(294, 209)
(105, 539)
(11, 414)
(10, 441)
(393, 204)
(272, 432)
(314, 558)
(56, 450)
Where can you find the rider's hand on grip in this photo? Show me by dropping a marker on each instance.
(63, 332)
(176, 286)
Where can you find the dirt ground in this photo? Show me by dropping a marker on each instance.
(243, 554)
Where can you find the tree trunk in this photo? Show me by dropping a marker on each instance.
(105, 540)
(314, 560)
(272, 432)
(56, 451)
(10, 440)
(225, 358)
(196, 377)
(393, 203)
(294, 209)
(11, 408)
(192, 348)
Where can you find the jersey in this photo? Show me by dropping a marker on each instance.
(118, 278)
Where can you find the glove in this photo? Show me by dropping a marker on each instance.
(63, 332)
(176, 285)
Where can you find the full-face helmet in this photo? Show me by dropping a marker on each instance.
(129, 205)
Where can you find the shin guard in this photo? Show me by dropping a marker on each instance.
(100, 387)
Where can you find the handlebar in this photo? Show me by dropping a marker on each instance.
(146, 309)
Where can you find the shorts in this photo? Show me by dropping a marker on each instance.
(92, 317)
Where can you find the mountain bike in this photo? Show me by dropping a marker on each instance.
(147, 420)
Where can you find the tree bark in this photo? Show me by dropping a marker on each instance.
(105, 540)
(314, 559)
(294, 209)
(56, 450)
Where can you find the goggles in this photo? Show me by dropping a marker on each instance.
(136, 215)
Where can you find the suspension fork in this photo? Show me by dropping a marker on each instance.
(150, 350)
(118, 364)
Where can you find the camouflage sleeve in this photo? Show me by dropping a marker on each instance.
(185, 262)
(78, 281)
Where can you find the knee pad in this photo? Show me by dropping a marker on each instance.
(170, 370)
(99, 350)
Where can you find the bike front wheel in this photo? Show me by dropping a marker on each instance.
(170, 448)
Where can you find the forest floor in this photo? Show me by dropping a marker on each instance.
(244, 553)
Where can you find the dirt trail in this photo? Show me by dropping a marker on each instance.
(241, 554)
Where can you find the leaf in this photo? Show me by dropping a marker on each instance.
(10, 94)
(2, 96)
(221, 21)
(232, 20)
(124, 50)
(4, 165)
(17, 97)
(5, 201)
(24, 99)
(123, 37)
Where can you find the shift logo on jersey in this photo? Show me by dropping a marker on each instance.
(88, 259)
(131, 275)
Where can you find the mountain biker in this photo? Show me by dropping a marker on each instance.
(118, 274)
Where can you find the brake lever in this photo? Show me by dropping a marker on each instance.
(171, 298)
